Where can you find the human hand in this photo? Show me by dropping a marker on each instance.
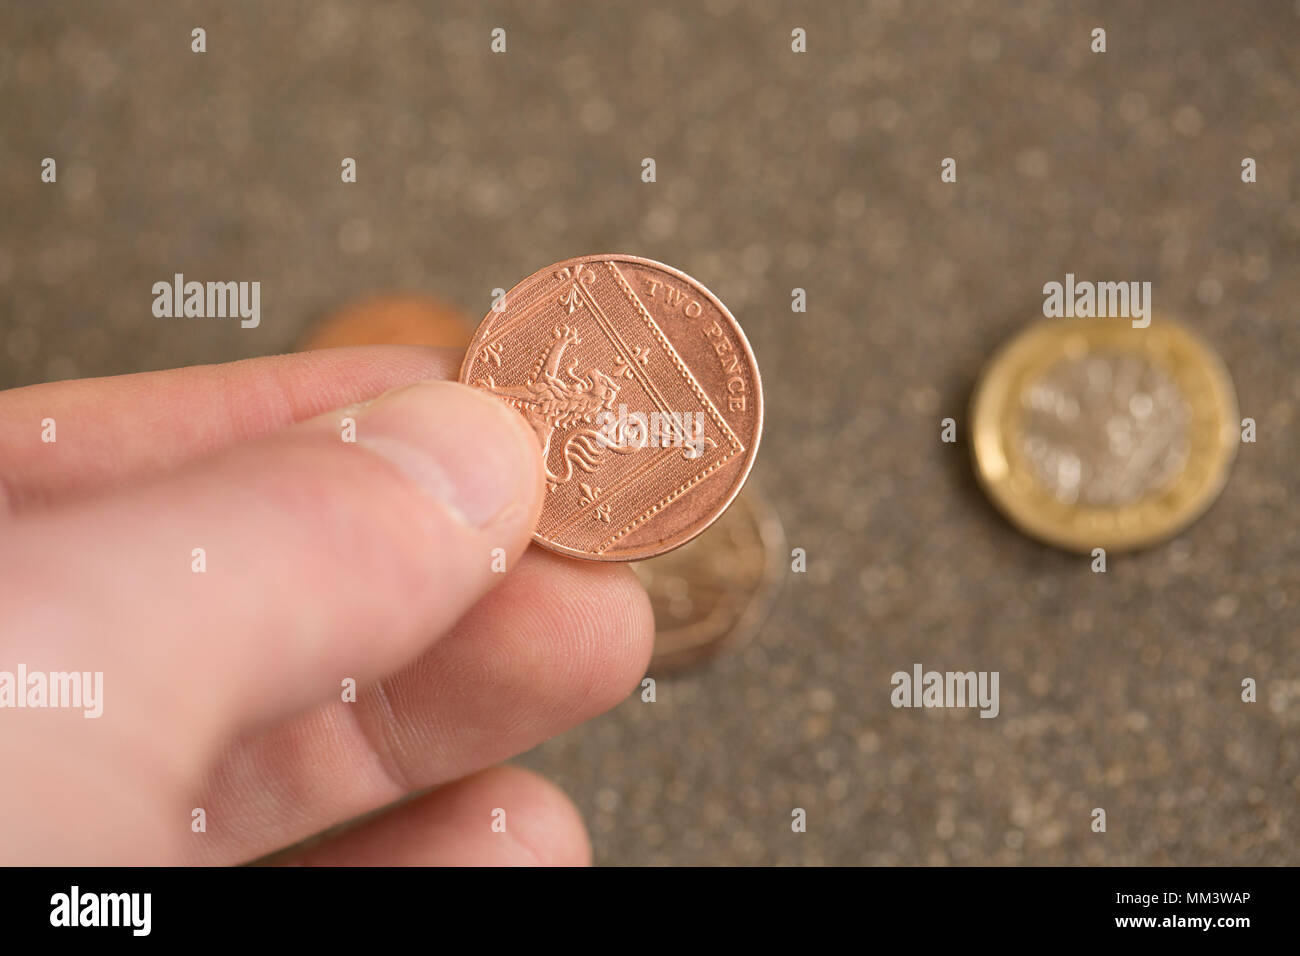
(323, 560)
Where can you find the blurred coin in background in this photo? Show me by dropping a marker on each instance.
(713, 594)
(1091, 433)
(391, 320)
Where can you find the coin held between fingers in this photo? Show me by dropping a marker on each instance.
(643, 393)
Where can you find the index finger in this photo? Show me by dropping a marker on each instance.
(109, 431)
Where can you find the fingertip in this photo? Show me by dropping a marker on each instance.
(462, 447)
(503, 816)
(545, 822)
(631, 633)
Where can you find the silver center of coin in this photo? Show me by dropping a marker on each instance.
(1104, 430)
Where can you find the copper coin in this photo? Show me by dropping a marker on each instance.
(644, 395)
(713, 595)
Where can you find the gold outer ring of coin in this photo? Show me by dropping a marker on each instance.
(996, 423)
(685, 510)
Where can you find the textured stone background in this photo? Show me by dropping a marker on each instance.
(775, 170)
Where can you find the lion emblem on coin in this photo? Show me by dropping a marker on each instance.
(554, 399)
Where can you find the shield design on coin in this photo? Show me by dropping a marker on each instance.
(581, 357)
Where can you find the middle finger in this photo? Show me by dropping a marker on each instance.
(557, 642)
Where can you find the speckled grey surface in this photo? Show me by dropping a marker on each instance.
(775, 170)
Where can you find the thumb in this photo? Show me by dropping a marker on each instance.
(322, 559)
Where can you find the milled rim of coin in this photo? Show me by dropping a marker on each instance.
(997, 424)
(615, 337)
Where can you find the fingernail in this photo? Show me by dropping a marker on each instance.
(464, 448)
